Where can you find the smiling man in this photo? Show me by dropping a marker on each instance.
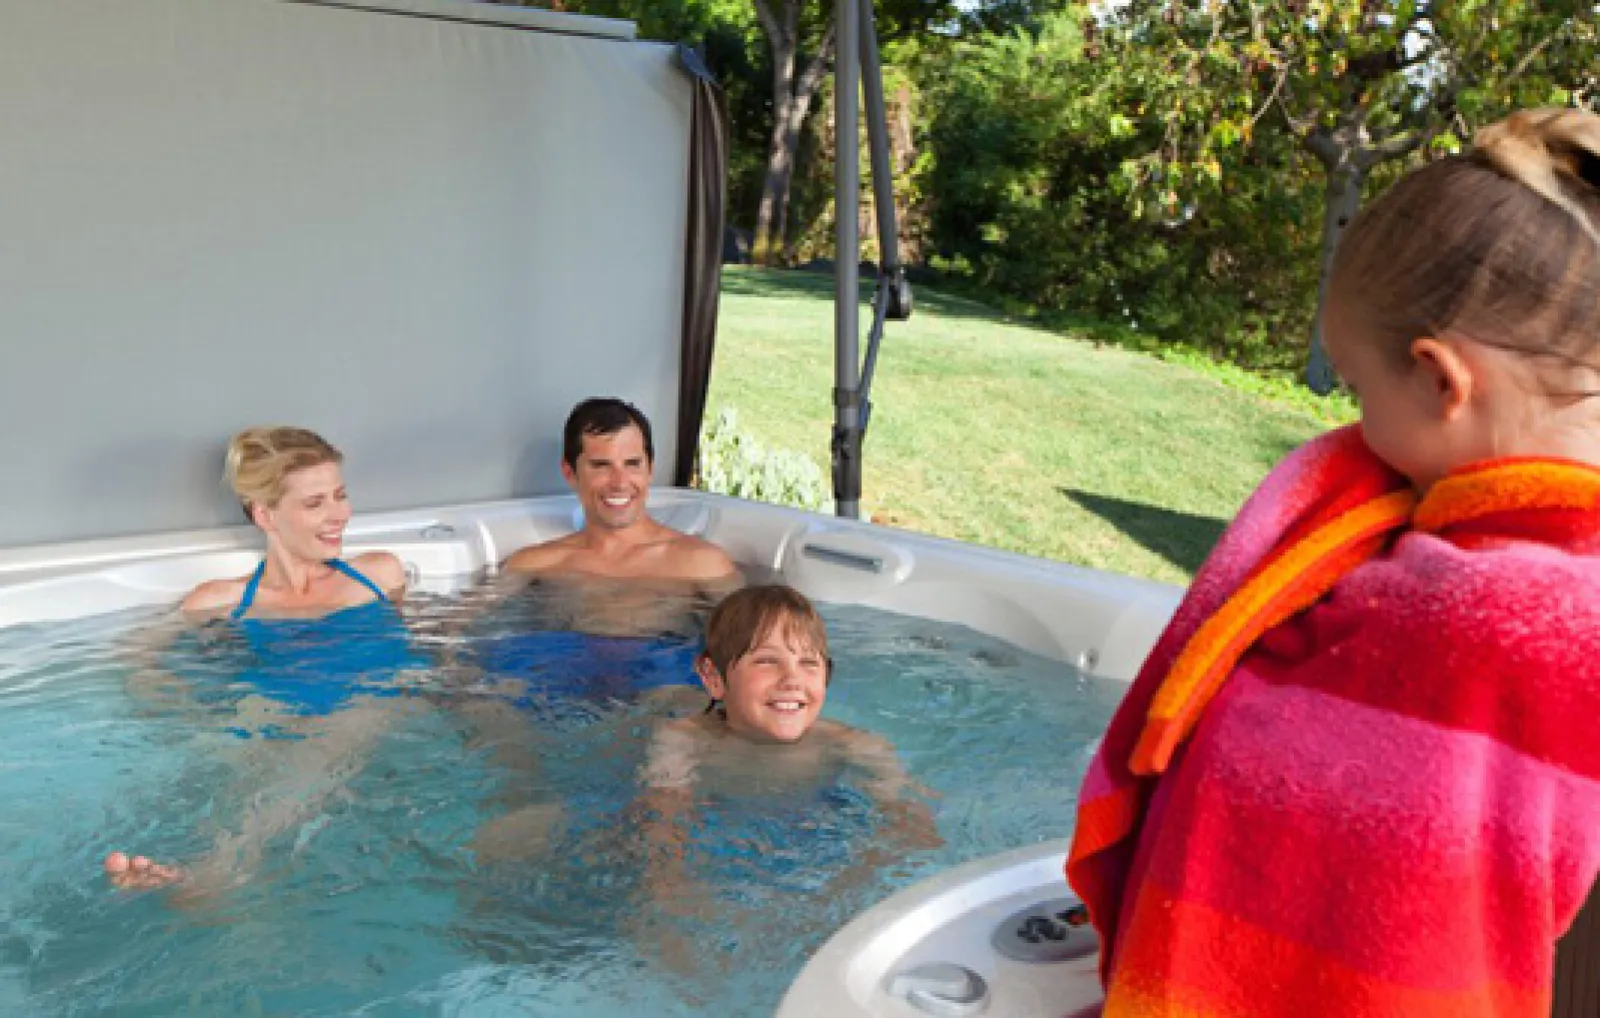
(622, 576)
(606, 458)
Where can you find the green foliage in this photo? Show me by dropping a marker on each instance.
(1039, 174)
(734, 462)
(1165, 164)
(1150, 162)
(1217, 73)
(811, 210)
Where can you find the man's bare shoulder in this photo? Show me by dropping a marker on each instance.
(544, 557)
(697, 559)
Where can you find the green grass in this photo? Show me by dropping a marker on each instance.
(1004, 434)
(1280, 385)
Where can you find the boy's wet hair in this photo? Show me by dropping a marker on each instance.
(749, 615)
(602, 415)
(1501, 244)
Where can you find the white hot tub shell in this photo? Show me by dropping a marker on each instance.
(1102, 623)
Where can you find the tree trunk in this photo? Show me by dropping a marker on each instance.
(780, 152)
(791, 101)
(798, 111)
(1342, 200)
(1347, 153)
(780, 174)
(768, 242)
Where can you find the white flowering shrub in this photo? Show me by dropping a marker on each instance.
(733, 462)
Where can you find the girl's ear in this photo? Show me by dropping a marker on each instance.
(1450, 379)
(710, 678)
(261, 516)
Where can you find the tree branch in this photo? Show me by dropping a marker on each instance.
(769, 24)
(1397, 147)
(1529, 57)
(817, 66)
(1300, 127)
(1423, 55)
(1354, 118)
(791, 20)
(1277, 89)
(1320, 143)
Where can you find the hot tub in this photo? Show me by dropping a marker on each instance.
(982, 938)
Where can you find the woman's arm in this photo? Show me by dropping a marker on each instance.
(151, 683)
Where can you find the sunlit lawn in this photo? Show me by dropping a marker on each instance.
(1003, 434)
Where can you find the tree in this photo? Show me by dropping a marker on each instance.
(1040, 167)
(800, 39)
(1357, 83)
(792, 94)
(797, 36)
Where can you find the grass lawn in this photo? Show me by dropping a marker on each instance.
(1003, 434)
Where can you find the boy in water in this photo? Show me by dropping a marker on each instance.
(728, 789)
(766, 668)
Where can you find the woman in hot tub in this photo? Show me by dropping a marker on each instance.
(323, 642)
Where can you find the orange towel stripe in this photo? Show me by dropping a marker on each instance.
(1295, 578)
(1508, 486)
(1104, 821)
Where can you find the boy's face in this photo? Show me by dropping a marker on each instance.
(774, 692)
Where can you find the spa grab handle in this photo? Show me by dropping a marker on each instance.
(840, 557)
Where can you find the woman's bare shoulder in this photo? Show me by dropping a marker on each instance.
(383, 568)
(214, 596)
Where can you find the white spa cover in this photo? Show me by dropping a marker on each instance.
(422, 227)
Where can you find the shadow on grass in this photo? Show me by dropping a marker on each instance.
(1183, 539)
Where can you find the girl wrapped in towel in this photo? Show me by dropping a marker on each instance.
(1360, 773)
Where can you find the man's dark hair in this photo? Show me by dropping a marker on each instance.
(602, 415)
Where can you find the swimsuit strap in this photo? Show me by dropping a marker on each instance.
(249, 595)
(355, 574)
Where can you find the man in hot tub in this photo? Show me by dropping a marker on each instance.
(606, 458)
(611, 614)
(614, 610)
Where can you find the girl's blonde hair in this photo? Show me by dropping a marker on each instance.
(1501, 244)
(260, 460)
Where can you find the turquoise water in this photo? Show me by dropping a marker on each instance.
(373, 901)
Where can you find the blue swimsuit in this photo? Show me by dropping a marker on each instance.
(337, 565)
(564, 664)
(314, 666)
